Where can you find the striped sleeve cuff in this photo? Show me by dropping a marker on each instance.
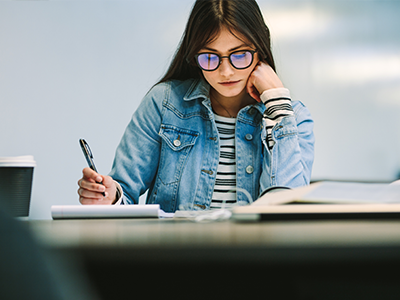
(278, 105)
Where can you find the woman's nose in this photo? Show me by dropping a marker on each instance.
(225, 68)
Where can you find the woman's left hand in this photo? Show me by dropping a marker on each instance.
(261, 79)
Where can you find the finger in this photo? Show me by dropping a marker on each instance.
(91, 185)
(96, 192)
(89, 201)
(249, 85)
(256, 96)
(90, 174)
(93, 201)
(90, 194)
(253, 92)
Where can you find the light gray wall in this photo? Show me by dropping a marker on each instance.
(78, 69)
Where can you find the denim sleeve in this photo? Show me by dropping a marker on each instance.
(290, 161)
(136, 158)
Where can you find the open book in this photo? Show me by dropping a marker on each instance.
(341, 200)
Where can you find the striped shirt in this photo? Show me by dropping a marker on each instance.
(225, 180)
(278, 105)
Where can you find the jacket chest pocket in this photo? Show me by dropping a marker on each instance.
(175, 149)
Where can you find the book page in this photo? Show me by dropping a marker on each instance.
(330, 192)
(348, 192)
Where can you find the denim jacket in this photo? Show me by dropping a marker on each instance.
(171, 149)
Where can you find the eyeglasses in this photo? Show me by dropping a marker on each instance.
(239, 60)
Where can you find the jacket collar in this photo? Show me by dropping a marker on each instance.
(199, 89)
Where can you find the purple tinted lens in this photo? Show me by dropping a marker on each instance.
(241, 59)
(208, 61)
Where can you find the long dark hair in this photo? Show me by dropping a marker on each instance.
(206, 20)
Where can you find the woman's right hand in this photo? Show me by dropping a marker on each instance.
(261, 79)
(91, 190)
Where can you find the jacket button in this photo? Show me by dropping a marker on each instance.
(209, 172)
(177, 143)
(248, 137)
(249, 169)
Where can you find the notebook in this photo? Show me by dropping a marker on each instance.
(107, 211)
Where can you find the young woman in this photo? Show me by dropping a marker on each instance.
(219, 119)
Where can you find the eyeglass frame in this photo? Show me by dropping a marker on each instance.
(226, 56)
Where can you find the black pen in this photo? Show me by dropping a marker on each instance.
(89, 157)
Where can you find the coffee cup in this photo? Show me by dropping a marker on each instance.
(16, 175)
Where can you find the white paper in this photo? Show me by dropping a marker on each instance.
(107, 211)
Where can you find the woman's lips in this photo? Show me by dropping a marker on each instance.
(229, 83)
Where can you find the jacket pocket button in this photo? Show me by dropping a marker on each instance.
(177, 143)
(249, 169)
